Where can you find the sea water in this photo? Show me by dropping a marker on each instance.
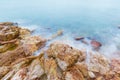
(98, 19)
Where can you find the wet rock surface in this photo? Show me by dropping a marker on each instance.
(89, 41)
(58, 62)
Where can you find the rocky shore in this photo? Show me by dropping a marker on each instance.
(59, 62)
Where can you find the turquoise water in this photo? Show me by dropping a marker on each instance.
(90, 18)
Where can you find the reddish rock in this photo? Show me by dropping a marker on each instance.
(95, 44)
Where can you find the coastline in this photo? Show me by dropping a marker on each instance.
(59, 61)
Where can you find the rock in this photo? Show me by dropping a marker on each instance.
(51, 70)
(59, 62)
(4, 70)
(24, 48)
(91, 74)
(7, 42)
(33, 43)
(79, 38)
(28, 68)
(8, 24)
(32, 68)
(64, 54)
(8, 33)
(7, 47)
(59, 33)
(115, 65)
(83, 68)
(95, 44)
(73, 73)
(17, 43)
(89, 41)
(98, 64)
(100, 78)
(24, 32)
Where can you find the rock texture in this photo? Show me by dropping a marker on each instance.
(59, 62)
(16, 43)
(63, 62)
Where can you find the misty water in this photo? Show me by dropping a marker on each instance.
(98, 19)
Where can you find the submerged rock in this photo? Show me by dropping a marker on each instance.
(95, 44)
(59, 33)
(79, 38)
(89, 41)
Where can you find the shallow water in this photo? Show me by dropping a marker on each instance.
(90, 18)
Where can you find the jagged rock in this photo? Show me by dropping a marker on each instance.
(115, 65)
(51, 70)
(28, 68)
(31, 72)
(8, 24)
(24, 33)
(33, 43)
(8, 33)
(98, 64)
(64, 54)
(114, 73)
(6, 47)
(4, 70)
(25, 48)
(83, 68)
(59, 62)
(17, 43)
(33, 68)
(73, 73)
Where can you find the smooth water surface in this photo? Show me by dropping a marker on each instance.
(90, 18)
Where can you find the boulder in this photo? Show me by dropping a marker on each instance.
(8, 33)
(64, 54)
(95, 44)
(89, 41)
(8, 24)
(16, 42)
(73, 73)
(79, 38)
